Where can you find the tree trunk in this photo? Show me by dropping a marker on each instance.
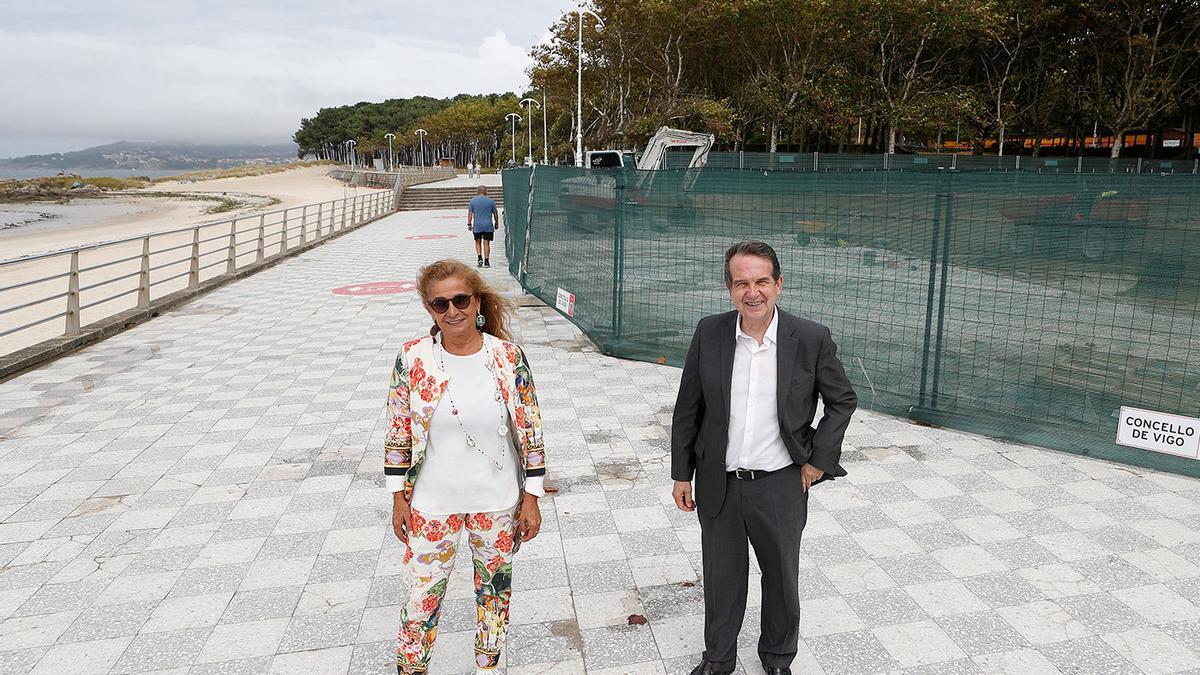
(1118, 136)
(774, 142)
(891, 142)
(1001, 139)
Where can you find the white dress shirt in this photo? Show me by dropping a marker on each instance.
(754, 440)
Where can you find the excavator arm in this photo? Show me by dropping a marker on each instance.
(667, 140)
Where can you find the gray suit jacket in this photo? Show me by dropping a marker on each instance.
(807, 366)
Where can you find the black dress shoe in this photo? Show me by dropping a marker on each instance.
(777, 671)
(709, 668)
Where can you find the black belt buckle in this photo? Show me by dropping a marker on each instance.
(749, 474)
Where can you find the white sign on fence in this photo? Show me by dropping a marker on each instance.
(565, 302)
(1160, 432)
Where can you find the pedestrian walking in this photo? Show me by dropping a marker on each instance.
(743, 429)
(483, 219)
(470, 170)
(465, 418)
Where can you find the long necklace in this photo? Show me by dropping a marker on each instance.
(501, 428)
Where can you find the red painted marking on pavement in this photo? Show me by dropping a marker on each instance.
(432, 236)
(376, 288)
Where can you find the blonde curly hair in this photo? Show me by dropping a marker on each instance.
(494, 308)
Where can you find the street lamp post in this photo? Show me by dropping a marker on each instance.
(579, 86)
(529, 123)
(545, 142)
(421, 140)
(514, 117)
(391, 162)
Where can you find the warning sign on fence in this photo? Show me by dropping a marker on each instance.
(565, 302)
(1160, 432)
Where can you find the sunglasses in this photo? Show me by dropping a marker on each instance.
(440, 305)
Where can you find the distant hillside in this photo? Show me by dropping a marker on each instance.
(157, 156)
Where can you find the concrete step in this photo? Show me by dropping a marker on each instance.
(442, 198)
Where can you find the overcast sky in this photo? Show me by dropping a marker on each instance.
(80, 73)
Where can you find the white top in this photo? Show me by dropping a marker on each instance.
(455, 477)
(754, 440)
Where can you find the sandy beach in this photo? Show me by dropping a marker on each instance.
(30, 228)
(89, 220)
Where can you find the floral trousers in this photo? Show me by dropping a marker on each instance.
(430, 559)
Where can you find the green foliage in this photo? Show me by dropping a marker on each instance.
(811, 73)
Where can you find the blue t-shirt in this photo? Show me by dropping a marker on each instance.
(483, 207)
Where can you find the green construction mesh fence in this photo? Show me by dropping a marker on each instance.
(1028, 306)
(813, 161)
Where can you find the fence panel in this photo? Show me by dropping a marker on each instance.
(1020, 304)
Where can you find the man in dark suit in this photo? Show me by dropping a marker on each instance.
(743, 429)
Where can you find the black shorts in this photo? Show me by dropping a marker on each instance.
(486, 236)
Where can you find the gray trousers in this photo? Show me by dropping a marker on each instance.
(769, 513)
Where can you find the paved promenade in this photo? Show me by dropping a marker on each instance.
(202, 494)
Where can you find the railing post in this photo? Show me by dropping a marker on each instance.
(73, 296)
(618, 287)
(320, 210)
(1079, 164)
(262, 239)
(144, 277)
(343, 215)
(231, 258)
(283, 238)
(304, 225)
(816, 156)
(194, 269)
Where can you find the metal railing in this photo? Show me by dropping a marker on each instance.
(387, 179)
(86, 281)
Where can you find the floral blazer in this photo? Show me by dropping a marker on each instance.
(417, 386)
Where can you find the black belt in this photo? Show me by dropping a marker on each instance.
(752, 474)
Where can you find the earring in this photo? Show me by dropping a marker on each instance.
(480, 321)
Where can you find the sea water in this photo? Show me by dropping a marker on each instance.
(16, 172)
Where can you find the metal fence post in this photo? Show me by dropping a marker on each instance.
(320, 210)
(304, 225)
(231, 259)
(1195, 165)
(73, 296)
(194, 270)
(262, 238)
(144, 277)
(933, 266)
(283, 238)
(618, 263)
(1139, 165)
(343, 225)
(1018, 163)
(741, 159)
(1079, 164)
(947, 225)
(816, 156)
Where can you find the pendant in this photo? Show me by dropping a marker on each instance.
(502, 430)
(471, 440)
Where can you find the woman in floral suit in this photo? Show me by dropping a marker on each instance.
(465, 420)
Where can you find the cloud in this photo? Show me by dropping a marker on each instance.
(223, 71)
